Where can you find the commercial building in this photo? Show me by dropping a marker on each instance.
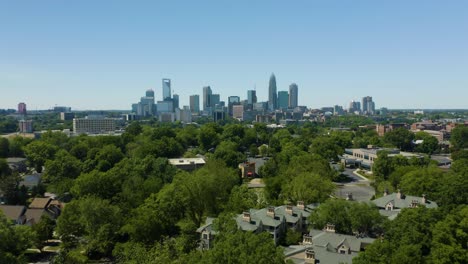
(166, 89)
(238, 111)
(22, 109)
(207, 97)
(25, 126)
(66, 116)
(183, 115)
(251, 97)
(195, 103)
(293, 95)
(368, 106)
(364, 158)
(283, 100)
(272, 96)
(94, 125)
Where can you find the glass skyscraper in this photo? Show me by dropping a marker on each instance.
(272, 97)
(293, 95)
(166, 89)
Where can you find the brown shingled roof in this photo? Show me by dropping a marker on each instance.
(40, 203)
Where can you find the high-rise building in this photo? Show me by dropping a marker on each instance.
(150, 93)
(293, 95)
(272, 99)
(232, 100)
(22, 108)
(195, 103)
(25, 126)
(354, 106)
(207, 97)
(283, 99)
(368, 106)
(166, 89)
(251, 97)
(215, 100)
(175, 99)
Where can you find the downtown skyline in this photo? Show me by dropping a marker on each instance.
(104, 55)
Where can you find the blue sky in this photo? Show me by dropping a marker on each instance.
(105, 54)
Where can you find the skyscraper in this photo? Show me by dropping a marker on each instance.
(293, 95)
(368, 106)
(207, 97)
(175, 99)
(251, 97)
(150, 93)
(272, 99)
(22, 108)
(232, 100)
(215, 99)
(283, 99)
(166, 89)
(195, 103)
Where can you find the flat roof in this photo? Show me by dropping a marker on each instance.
(186, 161)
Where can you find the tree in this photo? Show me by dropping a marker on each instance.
(227, 151)
(400, 138)
(38, 152)
(14, 241)
(326, 147)
(244, 247)
(91, 223)
(61, 170)
(241, 199)
(459, 138)
(4, 147)
(429, 145)
(308, 187)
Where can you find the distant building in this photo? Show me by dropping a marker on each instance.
(195, 103)
(146, 106)
(272, 96)
(175, 100)
(338, 110)
(293, 95)
(188, 164)
(237, 111)
(354, 107)
(365, 157)
(219, 114)
(251, 97)
(25, 126)
(166, 89)
(382, 129)
(167, 117)
(283, 100)
(368, 106)
(66, 116)
(22, 109)
(232, 100)
(59, 109)
(166, 106)
(94, 125)
(260, 106)
(207, 97)
(215, 100)
(183, 115)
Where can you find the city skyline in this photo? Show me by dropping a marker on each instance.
(104, 55)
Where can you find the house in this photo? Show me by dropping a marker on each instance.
(31, 181)
(207, 234)
(274, 220)
(52, 207)
(391, 204)
(326, 246)
(14, 213)
(17, 164)
(247, 169)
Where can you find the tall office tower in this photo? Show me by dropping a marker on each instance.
(368, 107)
(293, 95)
(272, 99)
(251, 97)
(166, 89)
(150, 93)
(215, 100)
(283, 99)
(232, 100)
(175, 99)
(195, 103)
(22, 108)
(207, 97)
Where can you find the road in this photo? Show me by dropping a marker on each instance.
(359, 187)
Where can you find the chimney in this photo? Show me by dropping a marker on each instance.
(399, 195)
(310, 256)
(307, 239)
(300, 205)
(349, 196)
(330, 228)
(271, 211)
(423, 200)
(385, 193)
(246, 216)
(289, 209)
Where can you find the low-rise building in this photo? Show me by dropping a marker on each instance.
(390, 205)
(94, 125)
(188, 164)
(247, 169)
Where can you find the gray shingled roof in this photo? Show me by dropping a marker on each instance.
(404, 202)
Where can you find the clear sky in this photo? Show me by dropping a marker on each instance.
(106, 54)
